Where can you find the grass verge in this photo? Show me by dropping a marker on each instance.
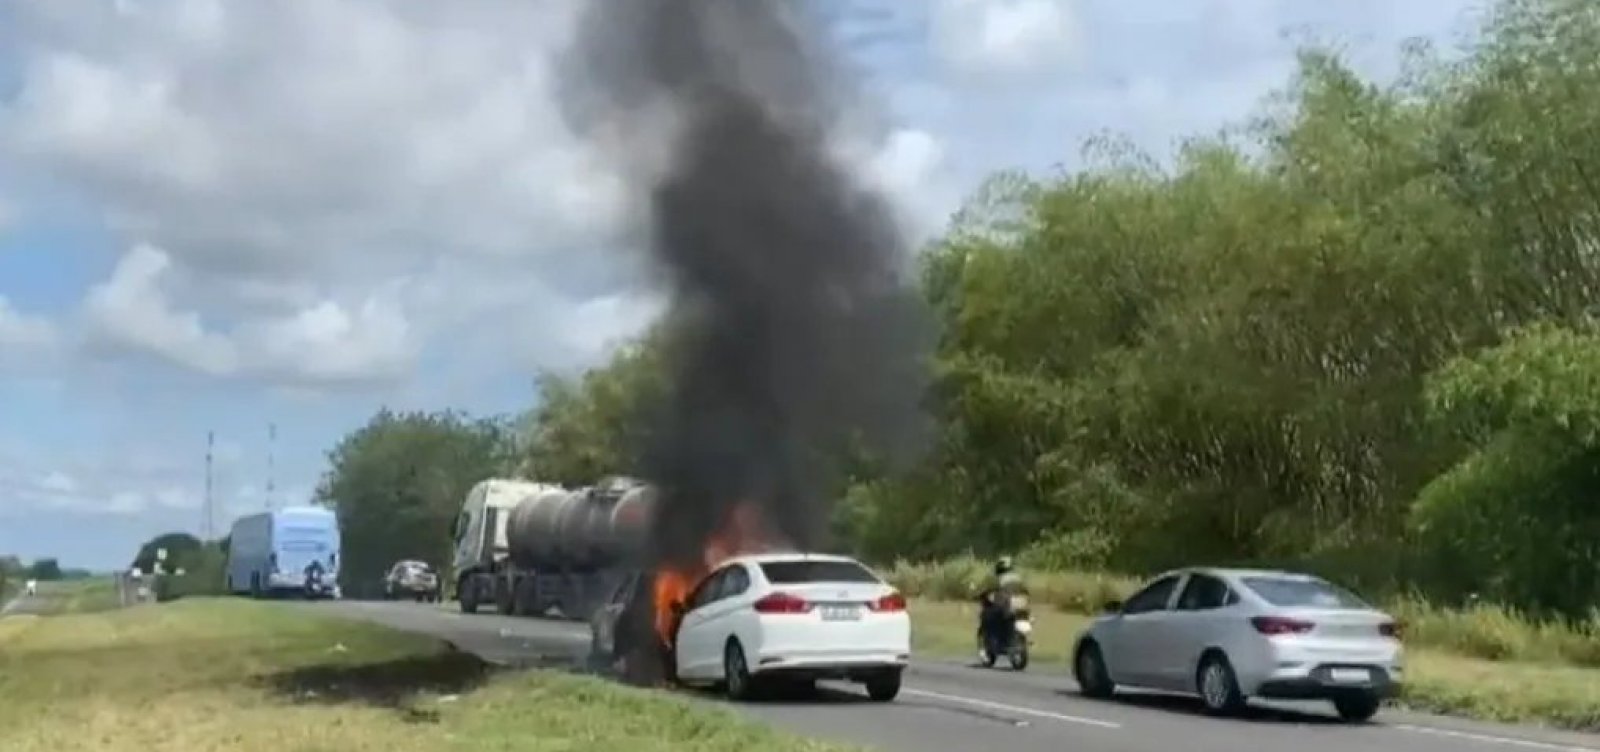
(80, 597)
(214, 674)
(1486, 631)
(1440, 681)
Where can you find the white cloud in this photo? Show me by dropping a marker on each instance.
(134, 480)
(131, 310)
(70, 486)
(322, 343)
(294, 179)
(1008, 37)
(24, 337)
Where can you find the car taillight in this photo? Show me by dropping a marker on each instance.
(1390, 629)
(890, 602)
(782, 603)
(1280, 625)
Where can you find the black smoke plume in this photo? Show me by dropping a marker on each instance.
(798, 333)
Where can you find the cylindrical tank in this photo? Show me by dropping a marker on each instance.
(589, 528)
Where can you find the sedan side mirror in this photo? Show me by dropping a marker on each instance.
(1111, 607)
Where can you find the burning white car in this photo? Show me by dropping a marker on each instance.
(793, 617)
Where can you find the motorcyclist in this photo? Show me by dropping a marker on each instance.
(314, 574)
(995, 616)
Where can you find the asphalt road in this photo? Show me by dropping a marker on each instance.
(949, 706)
(21, 603)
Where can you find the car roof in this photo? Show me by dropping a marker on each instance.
(781, 556)
(1238, 572)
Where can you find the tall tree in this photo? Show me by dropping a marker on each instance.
(398, 482)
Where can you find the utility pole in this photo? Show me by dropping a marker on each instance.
(209, 527)
(272, 440)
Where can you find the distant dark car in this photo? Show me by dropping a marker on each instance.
(411, 579)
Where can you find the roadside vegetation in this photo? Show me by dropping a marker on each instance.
(209, 673)
(1356, 335)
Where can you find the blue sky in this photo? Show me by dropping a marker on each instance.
(216, 216)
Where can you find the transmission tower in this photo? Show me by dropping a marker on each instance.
(208, 526)
(272, 441)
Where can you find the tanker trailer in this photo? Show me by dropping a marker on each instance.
(481, 553)
(568, 551)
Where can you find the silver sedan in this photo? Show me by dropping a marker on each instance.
(1227, 635)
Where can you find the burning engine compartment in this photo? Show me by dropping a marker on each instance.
(647, 627)
(797, 341)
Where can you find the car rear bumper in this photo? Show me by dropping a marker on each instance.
(839, 664)
(1319, 683)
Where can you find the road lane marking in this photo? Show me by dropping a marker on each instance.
(973, 701)
(1491, 739)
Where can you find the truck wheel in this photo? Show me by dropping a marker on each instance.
(468, 594)
(504, 598)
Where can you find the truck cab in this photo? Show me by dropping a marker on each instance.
(480, 535)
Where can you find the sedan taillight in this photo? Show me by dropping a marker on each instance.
(1280, 625)
(889, 603)
(782, 603)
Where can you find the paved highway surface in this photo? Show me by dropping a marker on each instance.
(949, 706)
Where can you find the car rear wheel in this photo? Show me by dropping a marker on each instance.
(885, 686)
(1089, 669)
(1357, 708)
(740, 685)
(1218, 687)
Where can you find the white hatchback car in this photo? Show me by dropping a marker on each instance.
(793, 616)
(1231, 634)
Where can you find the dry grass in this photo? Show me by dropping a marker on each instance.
(242, 676)
(1440, 681)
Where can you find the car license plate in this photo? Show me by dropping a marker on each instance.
(1349, 675)
(840, 613)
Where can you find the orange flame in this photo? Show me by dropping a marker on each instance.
(742, 533)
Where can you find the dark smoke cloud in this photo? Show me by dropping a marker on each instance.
(799, 333)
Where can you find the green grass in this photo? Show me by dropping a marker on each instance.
(211, 674)
(80, 596)
(1487, 662)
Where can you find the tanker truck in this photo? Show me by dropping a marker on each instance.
(532, 548)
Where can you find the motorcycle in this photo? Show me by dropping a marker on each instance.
(1013, 640)
(317, 585)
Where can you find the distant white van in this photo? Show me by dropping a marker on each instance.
(33, 587)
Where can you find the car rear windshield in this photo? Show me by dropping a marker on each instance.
(801, 572)
(1288, 592)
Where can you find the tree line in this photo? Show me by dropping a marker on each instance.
(1356, 335)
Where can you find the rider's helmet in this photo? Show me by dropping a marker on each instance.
(1002, 566)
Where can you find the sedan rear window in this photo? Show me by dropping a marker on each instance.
(1303, 593)
(801, 572)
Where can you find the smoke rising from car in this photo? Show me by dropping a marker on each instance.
(797, 334)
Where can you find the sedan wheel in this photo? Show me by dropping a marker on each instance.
(736, 672)
(1357, 708)
(1090, 672)
(1219, 689)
